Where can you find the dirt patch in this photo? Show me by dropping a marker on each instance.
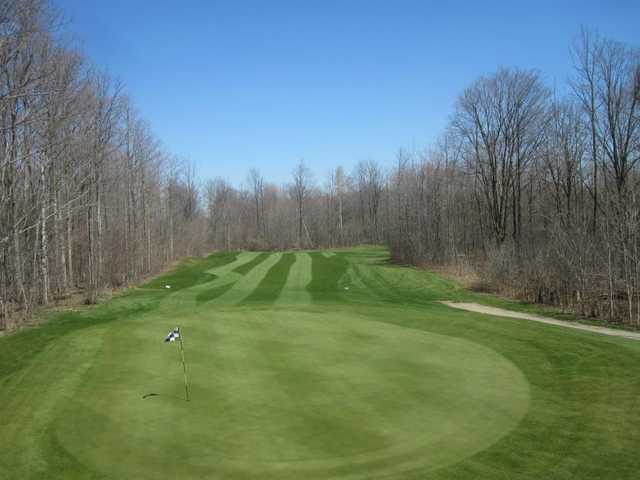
(500, 312)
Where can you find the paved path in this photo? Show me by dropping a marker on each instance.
(500, 312)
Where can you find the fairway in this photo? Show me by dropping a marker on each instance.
(314, 365)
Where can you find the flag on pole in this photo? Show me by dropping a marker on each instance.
(173, 335)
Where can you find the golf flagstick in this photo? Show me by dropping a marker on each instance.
(184, 368)
(174, 335)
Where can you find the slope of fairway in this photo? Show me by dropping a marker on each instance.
(313, 365)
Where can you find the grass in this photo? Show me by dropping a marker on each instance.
(268, 290)
(192, 272)
(314, 365)
(247, 267)
(295, 291)
(213, 293)
(326, 274)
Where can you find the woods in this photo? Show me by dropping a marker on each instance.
(552, 181)
(534, 190)
(89, 198)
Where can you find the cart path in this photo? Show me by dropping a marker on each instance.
(500, 312)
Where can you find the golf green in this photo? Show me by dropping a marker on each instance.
(308, 365)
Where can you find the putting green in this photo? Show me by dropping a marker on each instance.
(293, 392)
(314, 365)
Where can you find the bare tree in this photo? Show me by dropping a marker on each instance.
(586, 52)
(256, 183)
(299, 191)
(370, 188)
(499, 118)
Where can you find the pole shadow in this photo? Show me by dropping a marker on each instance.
(173, 397)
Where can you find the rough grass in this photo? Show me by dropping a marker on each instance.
(378, 380)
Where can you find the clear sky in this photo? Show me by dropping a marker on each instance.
(238, 84)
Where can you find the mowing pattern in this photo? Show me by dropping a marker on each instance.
(319, 365)
(251, 279)
(247, 267)
(295, 291)
(326, 275)
(268, 290)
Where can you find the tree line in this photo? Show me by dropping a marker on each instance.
(88, 197)
(341, 210)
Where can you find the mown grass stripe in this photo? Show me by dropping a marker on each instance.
(213, 293)
(247, 267)
(240, 259)
(245, 286)
(325, 276)
(268, 290)
(295, 289)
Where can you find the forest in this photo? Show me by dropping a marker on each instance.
(533, 190)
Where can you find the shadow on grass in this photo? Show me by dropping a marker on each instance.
(150, 395)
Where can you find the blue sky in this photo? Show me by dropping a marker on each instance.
(237, 84)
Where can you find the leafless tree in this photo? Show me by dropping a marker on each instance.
(299, 191)
(256, 183)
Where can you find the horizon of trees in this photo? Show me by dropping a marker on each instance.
(536, 192)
